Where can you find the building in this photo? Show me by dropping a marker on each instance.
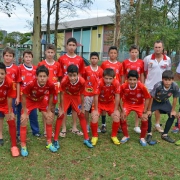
(94, 34)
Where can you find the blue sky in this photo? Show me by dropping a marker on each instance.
(17, 22)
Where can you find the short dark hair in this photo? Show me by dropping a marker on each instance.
(28, 51)
(50, 46)
(72, 69)
(132, 47)
(167, 74)
(113, 48)
(71, 39)
(2, 66)
(94, 54)
(8, 50)
(159, 41)
(109, 72)
(133, 73)
(42, 68)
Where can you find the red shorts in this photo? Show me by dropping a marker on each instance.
(4, 109)
(138, 108)
(74, 101)
(41, 105)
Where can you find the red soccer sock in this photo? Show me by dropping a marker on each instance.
(115, 126)
(58, 127)
(144, 127)
(124, 128)
(94, 128)
(49, 133)
(12, 132)
(83, 124)
(23, 131)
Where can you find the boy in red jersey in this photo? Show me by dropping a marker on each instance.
(27, 74)
(133, 93)
(117, 67)
(6, 95)
(35, 96)
(106, 98)
(12, 72)
(92, 75)
(54, 73)
(133, 63)
(72, 88)
(71, 58)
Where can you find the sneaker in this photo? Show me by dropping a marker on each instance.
(175, 129)
(124, 139)
(88, 143)
(143, 143)
(51, 147)
(14, 151)
(37, 135)
(149, 140)
(103, 129)
(24, 151)
(168, 139)
(177, 143)
(94, 140)
(1, 142)
(56, 144)
(137, 130)
(159, 129)
(98, 130)
(115, 140)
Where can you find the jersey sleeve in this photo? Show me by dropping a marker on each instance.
(145, 64)
(27, 89)
(98, 89)
(176, 92)
(117, 87)
(81, 67)
(18, 77)
(123, 68)
(103, 66)
(63, 84)
(59, 74)
(169, 62)
(142, 67)
(11, 93)
(154, 90)
(178, 68)
(121, 90)
(52, 89)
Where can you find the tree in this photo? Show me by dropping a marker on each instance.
(1, 36)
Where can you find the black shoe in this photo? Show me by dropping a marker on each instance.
(103, 129)
(149, 140)
(1, 142)
(37, 135)
(168, 139)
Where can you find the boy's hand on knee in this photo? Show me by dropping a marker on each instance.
(94, 114)
(24, 118)
(61, 112)
(173, 113)
(149, 113)
(10, 116)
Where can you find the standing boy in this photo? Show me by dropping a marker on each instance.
(114, 64)
(35, 96)
(133, 63)
(71, 58)
(71, 94)
(106, 98)
(161, 93)
(92, 75)
(6, 95)
(135, 97)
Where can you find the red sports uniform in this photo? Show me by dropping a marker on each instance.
(13, 73)
(66, 60)
(116, 66)
(92, 78)
(107, 96)
(128, 65)
(36, 95)
(54, 73)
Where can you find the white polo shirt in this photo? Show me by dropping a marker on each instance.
(178, 68)
(155, 69)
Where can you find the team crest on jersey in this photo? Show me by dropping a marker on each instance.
(117, 71)
(128, 69)
(13, 76)
(4, 93)
(88, 78)
(89, 84)
(138, 95)
(65, 67)
(23, 78)
(138, 69)
(45, 92)
(34, 93)
(79, 106)
(55, 72)
(150, 65)
(164, 66)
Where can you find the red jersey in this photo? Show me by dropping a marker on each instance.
(135, 95)
(35, 92)
(91, 77)
(116, 66)
(6, 90)
(72, 89)
(107, 92)
(66, 60)
(137, 65)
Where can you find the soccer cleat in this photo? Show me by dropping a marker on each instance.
(56, 144)
(137, 130)
(149, 140)
(51, 147)
(115, 140)
(103, 129)
(143, 143)
(24, 151)
(177, 143)
(168, 139)
(88, 143)
(1, 142)
(14, 151)
(37, 135)
(124, 140)
(175, 129)
(94, 140)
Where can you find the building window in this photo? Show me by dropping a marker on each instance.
(99, 35)
(94, 28)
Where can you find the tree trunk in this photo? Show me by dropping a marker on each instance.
(37, 32)
(117, 29)
(48, 22)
